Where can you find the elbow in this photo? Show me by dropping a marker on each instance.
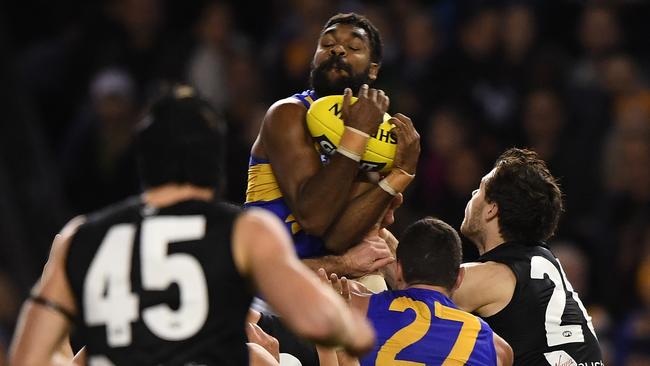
(24, 360)
(505, 356)
(312, 224)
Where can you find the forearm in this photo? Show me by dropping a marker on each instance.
(331, 263)
(357, 219)
(322, 197)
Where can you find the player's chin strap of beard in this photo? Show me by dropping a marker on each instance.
(323, 87)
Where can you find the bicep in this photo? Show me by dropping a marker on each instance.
(486, 288)
(41, 327)
(289, 147)
(470, 295)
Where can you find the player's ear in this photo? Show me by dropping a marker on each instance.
(491, 211)
(373, 71)
(399, 275)
(459, 278)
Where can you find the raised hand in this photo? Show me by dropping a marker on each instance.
(368, 112)
(257, 335)
(408, 144)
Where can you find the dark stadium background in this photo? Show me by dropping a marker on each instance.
(566, 78)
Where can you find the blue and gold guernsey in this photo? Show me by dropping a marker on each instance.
(263, 191)
(418, 326)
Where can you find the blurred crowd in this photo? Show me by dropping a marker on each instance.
(565, 78)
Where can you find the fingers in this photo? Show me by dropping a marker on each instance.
(408, 143)
(322, 274)
(383, 99)
(381, 263)
(404, 119)
(372, 95)
(345, 288)
(345, 107)
(336, 284)
(363, 91)
(252, 334)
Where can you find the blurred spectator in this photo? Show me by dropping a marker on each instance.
(207, 67)
(624, 214)
(446, 135)
(98, 162)
(518, 34)
(9, 301)
(413, 74)
(634, 341)
(625, 84)
(599, 34)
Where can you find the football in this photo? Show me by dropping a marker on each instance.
(326, 127)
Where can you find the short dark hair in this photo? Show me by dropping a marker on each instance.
(528, 196)
(376, 43)
(430, 253)
(180, 140)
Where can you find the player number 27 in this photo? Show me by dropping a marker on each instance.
(108, 299)
(420, 326)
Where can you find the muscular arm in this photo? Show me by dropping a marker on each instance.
(369, 255)
(41, 329)
(359, 215)
(505, 356)
(486, 288)
(315, 194)
(309, 308)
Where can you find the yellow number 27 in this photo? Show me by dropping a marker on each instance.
(413, 332)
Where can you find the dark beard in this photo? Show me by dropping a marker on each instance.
(323, 86)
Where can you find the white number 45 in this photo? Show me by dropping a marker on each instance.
(108, 299)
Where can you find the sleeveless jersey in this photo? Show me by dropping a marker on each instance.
(545, 321)
(425, 327)
(159, 287)
(263, 191)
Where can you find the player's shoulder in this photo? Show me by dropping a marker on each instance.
(114, 213)
(486, 287)
(485, 270)
(285, 112)
(259, 220)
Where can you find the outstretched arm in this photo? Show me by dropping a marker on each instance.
(309, 308)
(366, 257)
(317, 194)
(44, 319)
(486, 288)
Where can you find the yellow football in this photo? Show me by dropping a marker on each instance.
(326, 127)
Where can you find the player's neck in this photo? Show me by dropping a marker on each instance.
(440, 289)
(490, 243)
(490, 239)
(169, 194)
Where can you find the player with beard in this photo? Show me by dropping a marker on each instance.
(316, 196)
(517, 285)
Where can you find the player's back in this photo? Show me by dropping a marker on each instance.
(159, 286)
(545, 321)
(425, 327)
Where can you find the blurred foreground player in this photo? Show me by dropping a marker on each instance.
(517, 285)
(167, 278)
(417, 323)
